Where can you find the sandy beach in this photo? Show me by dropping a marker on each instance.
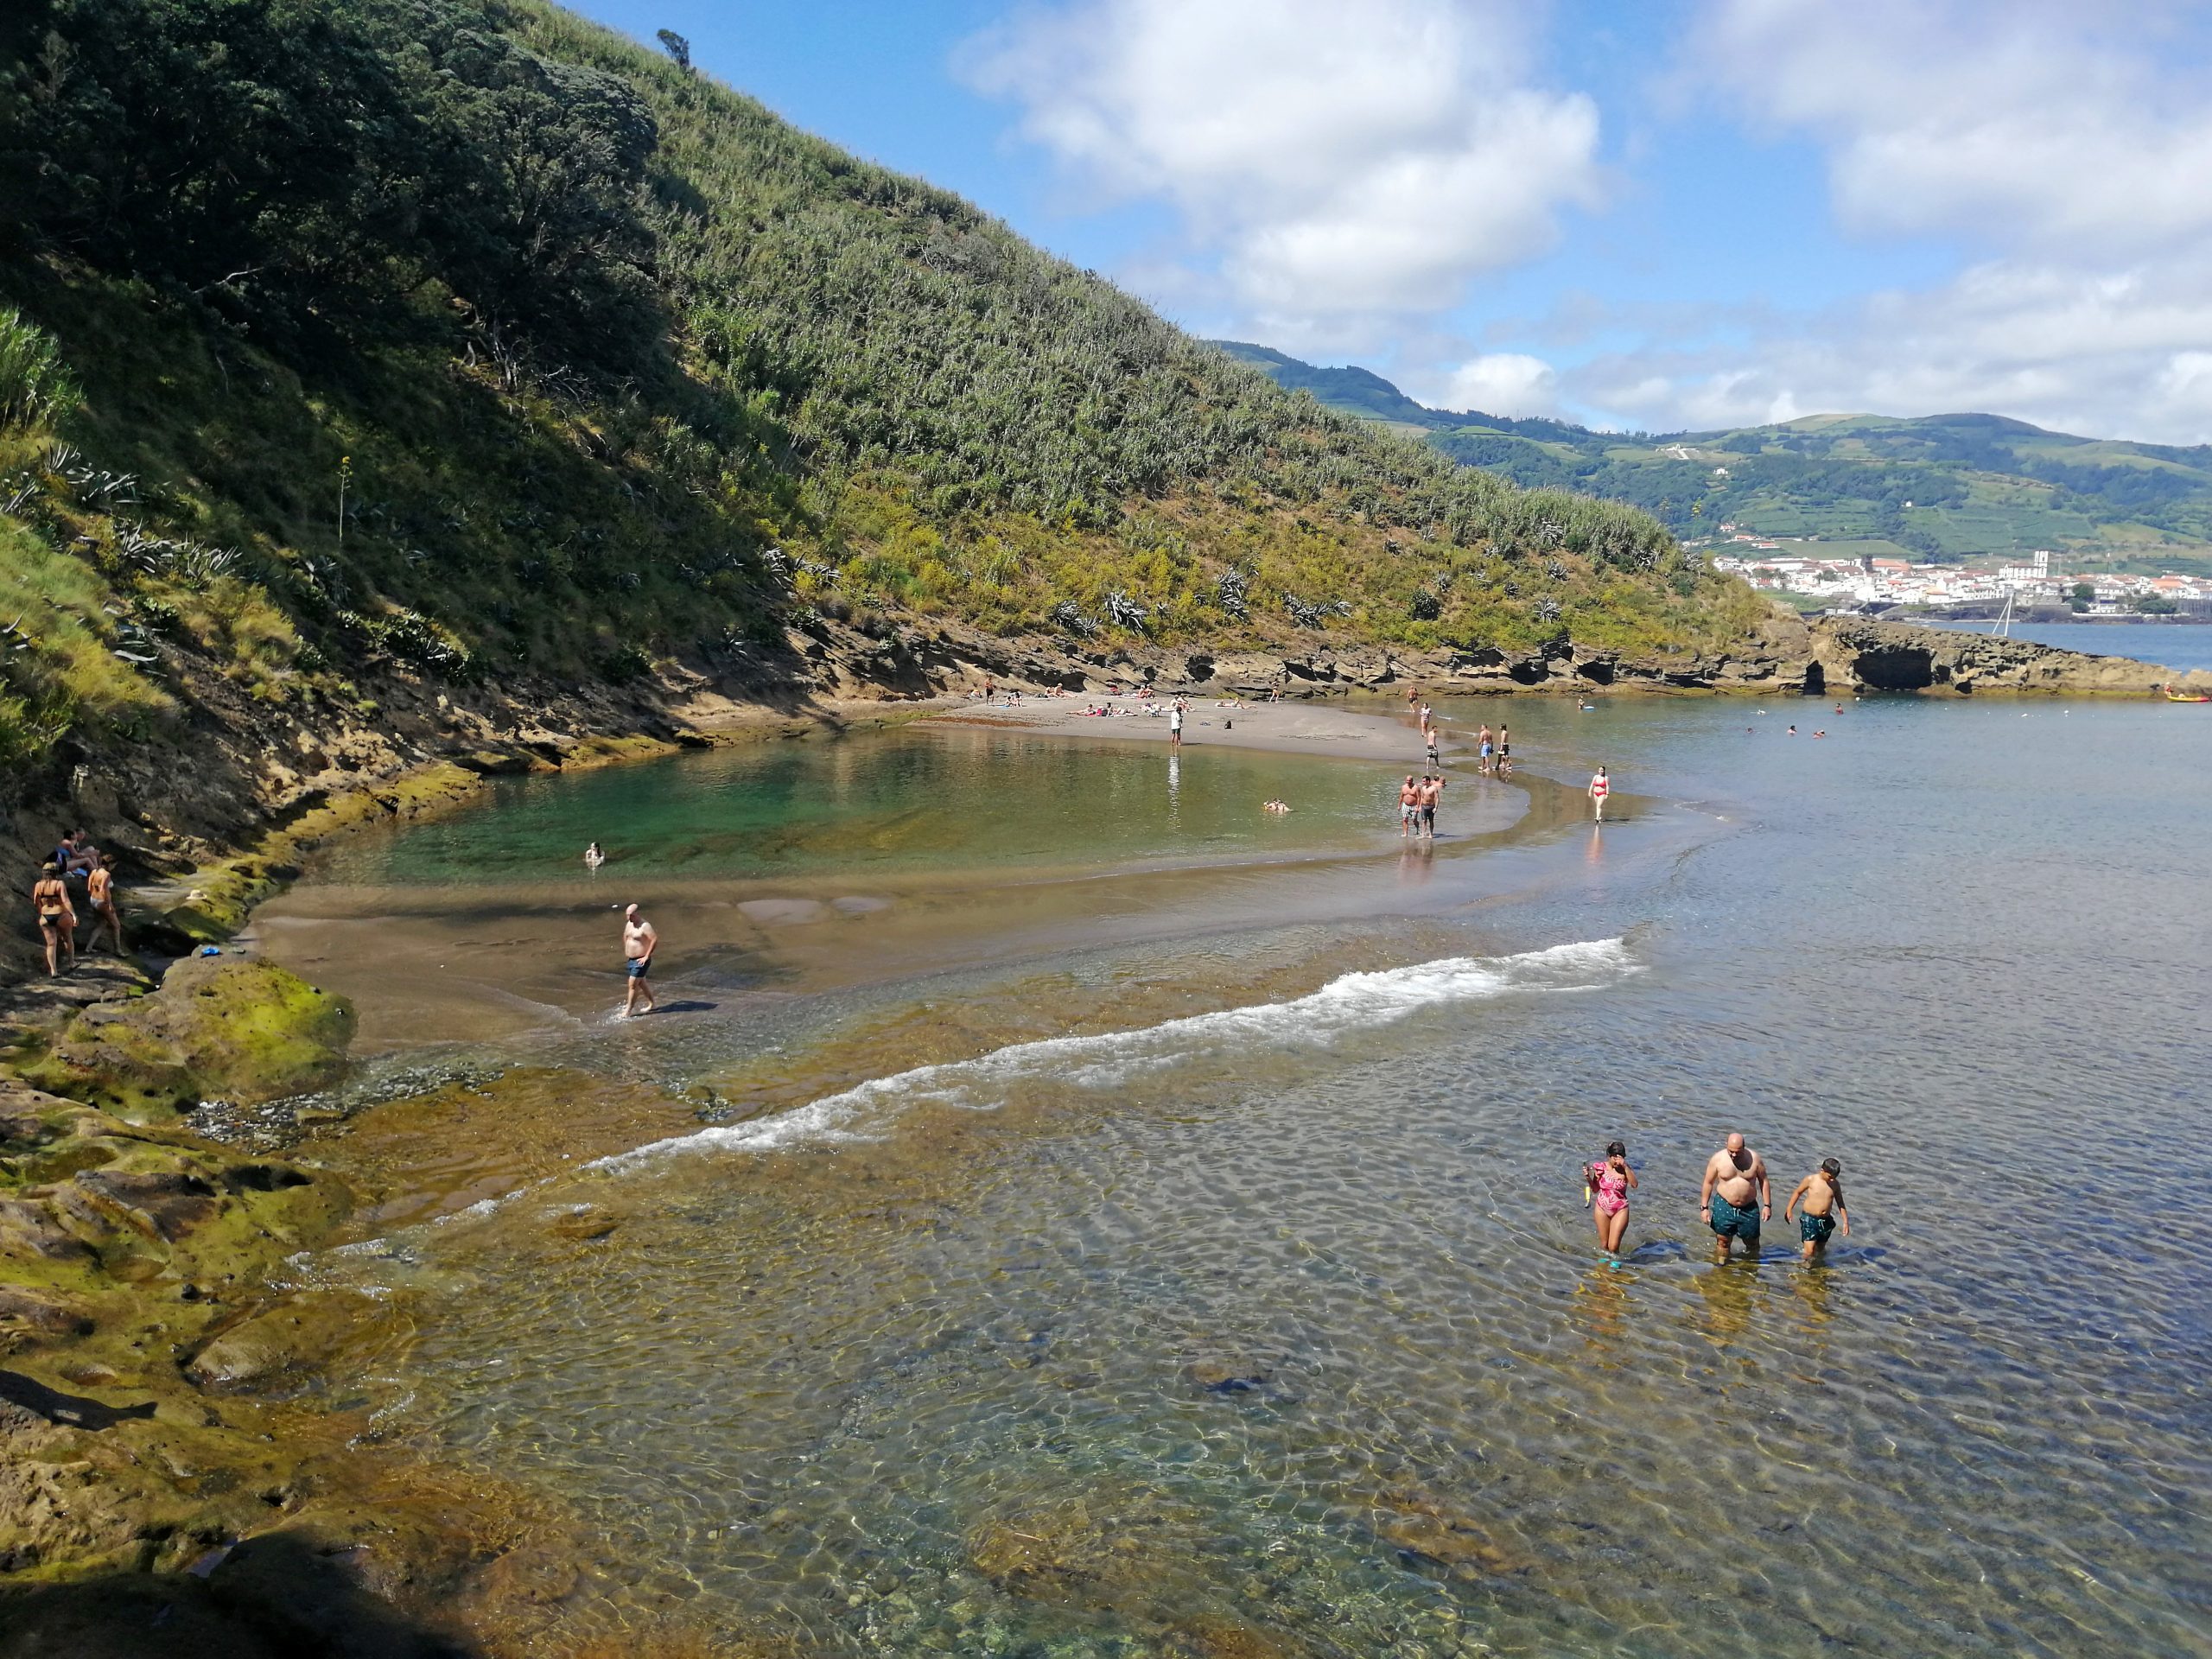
(1280, 728)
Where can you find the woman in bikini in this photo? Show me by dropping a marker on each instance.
(100, 889)
(1606, 1185)
(57, 918)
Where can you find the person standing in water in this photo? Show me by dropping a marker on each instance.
(1600, 786)
(1409, 807)
(1605, 1186)
(1734, 1177)
(593, 857)
(1175, 725)
(1504, 751)
(640, 941)
(1432, 791)
(1821, 1195)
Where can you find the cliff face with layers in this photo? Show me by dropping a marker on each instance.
(1848, 654)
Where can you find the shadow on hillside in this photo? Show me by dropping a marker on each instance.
(276, 1597)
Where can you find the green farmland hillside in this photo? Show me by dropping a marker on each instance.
(1939, 487)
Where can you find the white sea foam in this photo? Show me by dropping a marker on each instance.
(1353, 1002)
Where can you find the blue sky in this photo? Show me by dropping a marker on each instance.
(1684, 213)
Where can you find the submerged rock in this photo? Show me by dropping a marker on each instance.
(1227, 1377)
(585, 1224)
(1418, 1522)
(283, 1344)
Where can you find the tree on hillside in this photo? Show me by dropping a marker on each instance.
(676, 46)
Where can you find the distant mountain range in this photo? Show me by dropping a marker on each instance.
(1938, 487)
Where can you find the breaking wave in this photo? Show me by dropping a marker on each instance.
(1354, 1002)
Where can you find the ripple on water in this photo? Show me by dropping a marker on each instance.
(1306, 1338)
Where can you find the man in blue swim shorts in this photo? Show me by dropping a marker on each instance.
(1736, 1198)
(640, 941)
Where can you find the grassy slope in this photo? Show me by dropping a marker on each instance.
(921, 411)
(2016, 487)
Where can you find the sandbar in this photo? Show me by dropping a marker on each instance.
(1385, 739)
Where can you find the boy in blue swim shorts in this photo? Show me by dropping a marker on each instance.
(1821, 1196)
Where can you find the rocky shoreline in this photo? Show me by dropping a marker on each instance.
(209, 816)
(150, 1375)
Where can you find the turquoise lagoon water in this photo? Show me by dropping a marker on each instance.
(947, 797)
(1263, 1316)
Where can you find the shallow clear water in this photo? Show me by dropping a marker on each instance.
(1229, 1291)
(939, 797)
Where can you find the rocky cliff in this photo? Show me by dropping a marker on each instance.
(1850, 654)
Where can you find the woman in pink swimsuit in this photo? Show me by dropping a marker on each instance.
(1607, 1184)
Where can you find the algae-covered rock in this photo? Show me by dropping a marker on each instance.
(219, 1026)
(281, 1346)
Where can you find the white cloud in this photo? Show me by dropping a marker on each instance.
(2066, 156)
(1497, 383)
(2107, 354)
(1332, 161)
(2031, 123)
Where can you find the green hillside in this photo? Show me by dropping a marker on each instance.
(468, 341)
(1939, 487)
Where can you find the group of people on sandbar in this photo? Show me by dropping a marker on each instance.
(1734, 1201)
(78, 872)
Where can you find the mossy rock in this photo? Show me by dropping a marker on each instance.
(218, 1028)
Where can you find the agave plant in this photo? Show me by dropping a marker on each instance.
(1232, 592)
(1069, 615)
(1124, 612)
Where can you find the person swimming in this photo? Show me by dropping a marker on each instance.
(593, 857)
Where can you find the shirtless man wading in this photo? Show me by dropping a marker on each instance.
(1734, 1176)
(1432, 791)
(1409, 807)
(640, 941)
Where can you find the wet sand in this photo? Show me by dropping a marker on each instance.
(492, 960)
(1279, 727)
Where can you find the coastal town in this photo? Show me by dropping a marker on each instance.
(1778, 564)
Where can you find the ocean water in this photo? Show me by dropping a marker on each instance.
(1227, 1290)
(2179, 646)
